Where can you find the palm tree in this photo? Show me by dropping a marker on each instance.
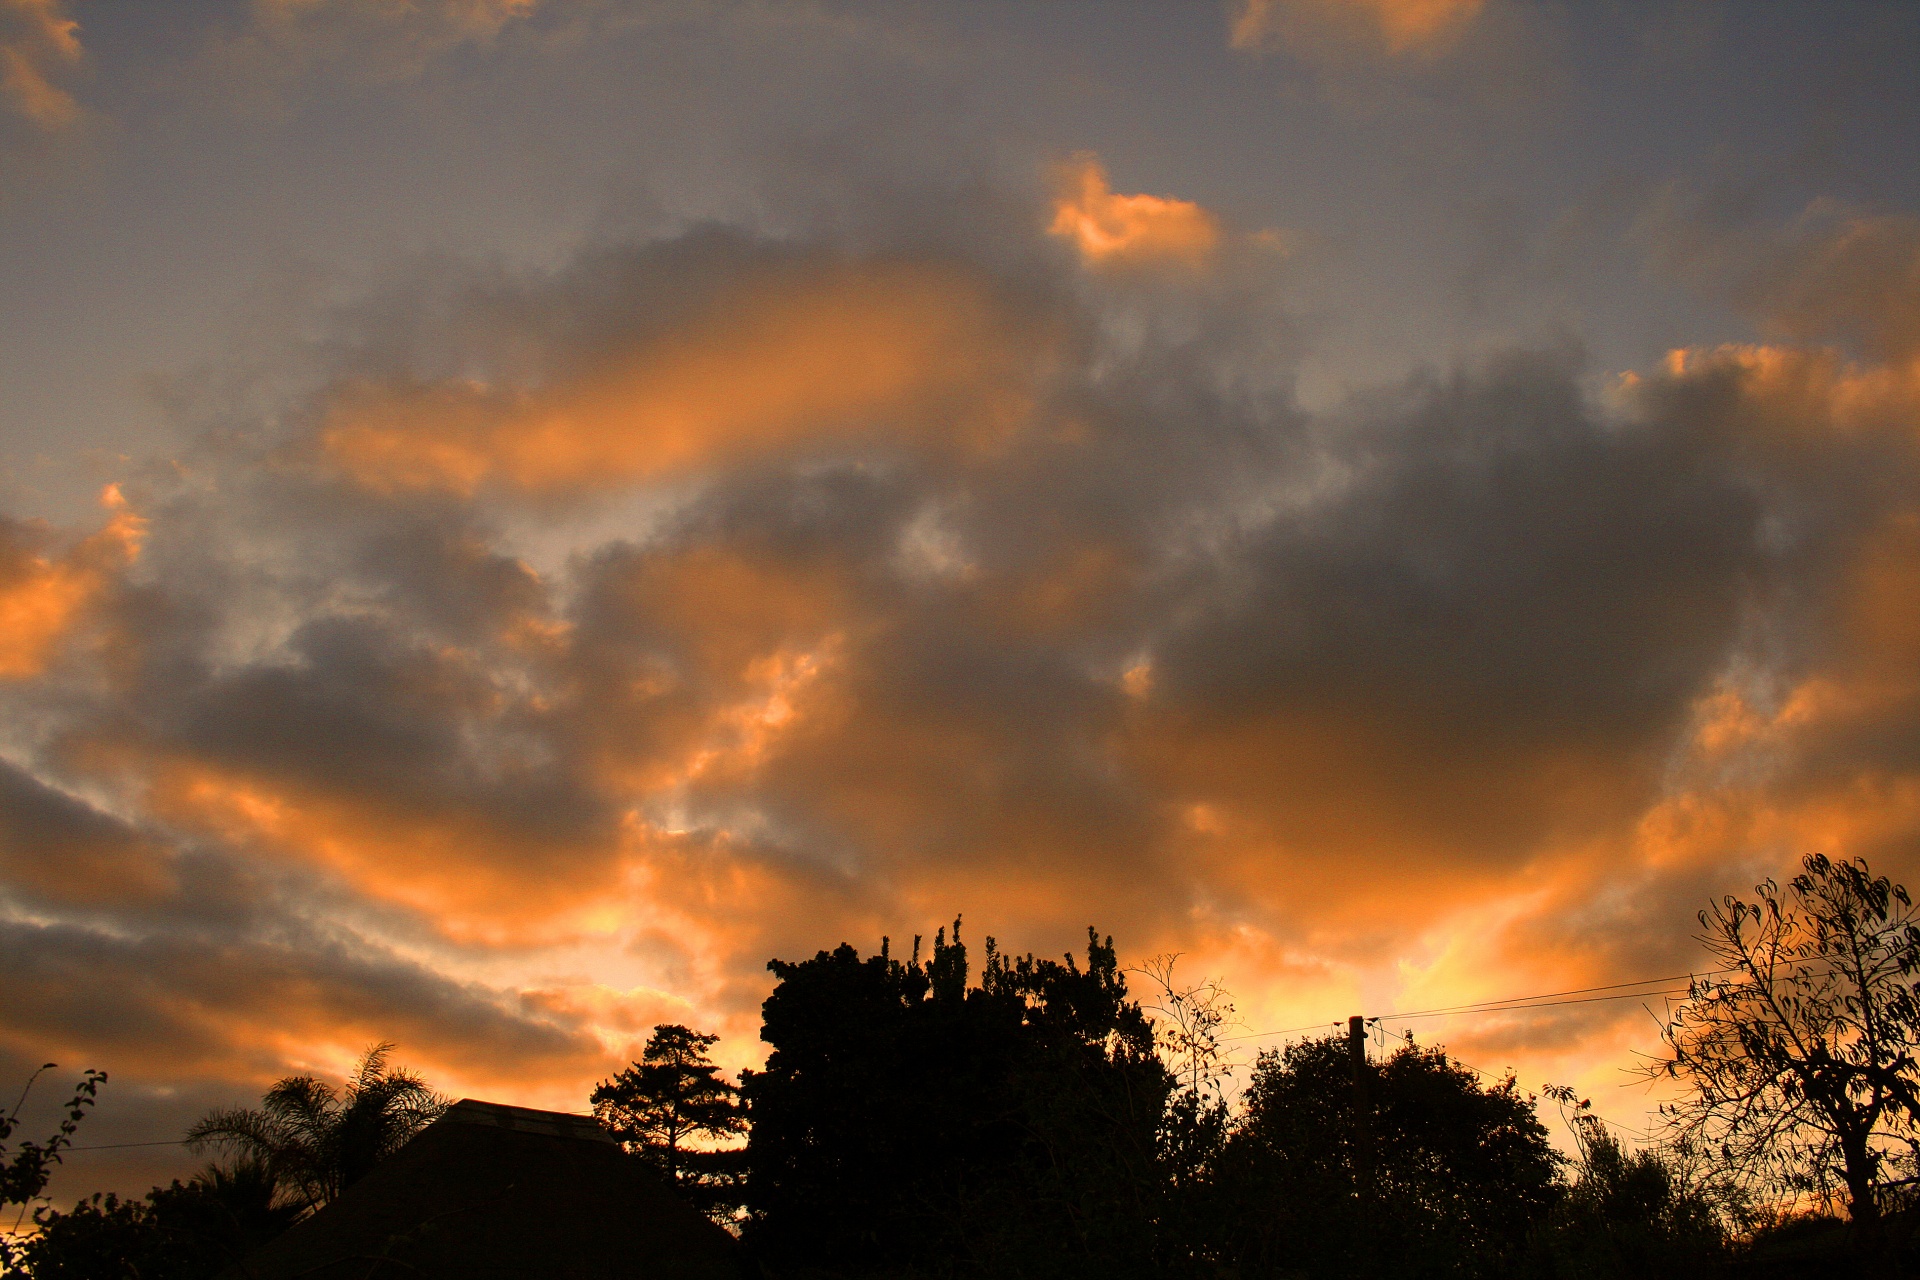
(320, 1140)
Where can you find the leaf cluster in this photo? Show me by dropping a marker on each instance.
(24, 1169)
(318, 1140)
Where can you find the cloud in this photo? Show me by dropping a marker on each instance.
(457, 19)
(45, 597)
(786, 352)
(38, 43)
(1114, 230)
(589, 637)
(385, 35)
(267, 56)
(1854, 278)
(58, 848)
(235, 1008)
(1397, 27)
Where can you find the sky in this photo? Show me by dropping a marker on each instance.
(514, 513)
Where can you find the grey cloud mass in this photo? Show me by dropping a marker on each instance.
(520, 643)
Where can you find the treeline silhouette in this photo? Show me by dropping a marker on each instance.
(916, 1118)
(911, 1122)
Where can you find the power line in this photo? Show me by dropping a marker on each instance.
(1541, 1000)
(1538, 1004)
(1551, 995)
(116, 1146)
(1286, 1031)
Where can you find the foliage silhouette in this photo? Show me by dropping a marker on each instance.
(1799, 1057)
(317, 1140)
(1041, 1123)
(663, 1109)
(908, 1123)
(177, 1232)
(1189, 1022)
(24, 1170)
(1630, 1214)
(1461, 1173)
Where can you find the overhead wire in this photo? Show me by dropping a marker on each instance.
(1539, 1000)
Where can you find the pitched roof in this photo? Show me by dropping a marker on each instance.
(490, 1190)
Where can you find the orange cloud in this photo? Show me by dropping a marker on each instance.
(477, 874)
(916, 352)
(37, 40)
(1850, 277)
(1112, 230)
(43, 597)
(1787, 393)
(1398, 26)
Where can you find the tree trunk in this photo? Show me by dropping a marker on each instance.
(1862, 1204)
(1870, 1239)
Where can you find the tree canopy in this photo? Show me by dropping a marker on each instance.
(671, 1108)
(183, 1231)
(1457, 1175)
(26, 1167)
(909, 1122)
(1797, 1055)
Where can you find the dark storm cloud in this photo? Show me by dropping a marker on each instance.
(1499, 579)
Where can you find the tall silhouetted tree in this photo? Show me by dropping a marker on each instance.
(1799, 1055)
(909, 1123)
(318, 1140)
(1190, 1025)
(1461, 1173)
(671, 1107)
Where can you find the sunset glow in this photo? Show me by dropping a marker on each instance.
(516, 513)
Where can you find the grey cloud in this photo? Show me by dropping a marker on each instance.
(1500, 565)
(57, 848)
(1422, 637)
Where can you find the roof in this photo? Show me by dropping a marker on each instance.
(494, 1191)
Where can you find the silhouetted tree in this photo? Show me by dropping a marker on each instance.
(908, 1123)
(1189, 1024)
(1461, 1173)
(24, 1169)
(669, 1109)
(1631, 1214)
(188, 1231)
(1798, 1056)
(318, 1140)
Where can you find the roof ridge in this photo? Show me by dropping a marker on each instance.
(504, 1115)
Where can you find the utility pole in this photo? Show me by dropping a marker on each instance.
(1362, 1113)
(1365, 1259)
